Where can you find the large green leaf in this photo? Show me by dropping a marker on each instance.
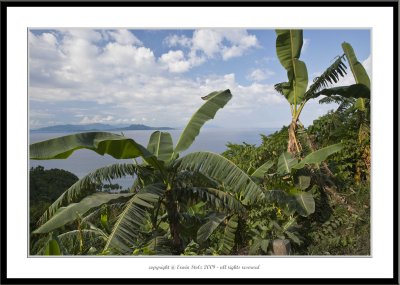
(260, 172)
(288, 46)
(214, 102)
(224, 171)
(299, 77)
(160, 144)
(71, 212)
(117, 146)
(133, 217)
(358, 70)
(352, 91)
(285, 163)
(210, 226)
(304, 203)
(359, 73)
(319, 155)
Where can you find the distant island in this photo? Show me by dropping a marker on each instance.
(96, 127)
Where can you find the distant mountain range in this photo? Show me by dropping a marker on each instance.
(96, 127)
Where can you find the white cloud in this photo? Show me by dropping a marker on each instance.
(96, 119)
(175, 61)
(207, 40)
(260, 74)
(124, 55)
(177, 40)
(129, 82)
(211, 42)
(206, 43)
(124, 37)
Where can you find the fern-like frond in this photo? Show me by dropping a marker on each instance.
(223, 171)
(127, 227)
(331, 75)
(86, 186)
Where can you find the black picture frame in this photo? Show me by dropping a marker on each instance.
(6, 156)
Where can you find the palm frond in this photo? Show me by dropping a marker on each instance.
(87, 185)
(134, 216)
(331, 75)
(224, 171)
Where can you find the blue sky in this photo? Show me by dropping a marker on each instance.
(156, 77)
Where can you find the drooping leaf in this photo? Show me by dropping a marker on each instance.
(160, 144)
(52, 248)
(207, 111)
(285, 163)
(260, 172)
(210, 226)
(228, 239)
(71, 212)
(319, 155)
(133, 217)
(117, 146)
(86, 186)
(352, 91)
(224, 171)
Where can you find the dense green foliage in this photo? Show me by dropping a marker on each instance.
(45, 186)
(341, 222)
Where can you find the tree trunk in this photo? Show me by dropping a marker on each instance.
(293, 144)
(174, 224)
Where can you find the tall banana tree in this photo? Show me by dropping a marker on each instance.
(166, 183)
(288, 48)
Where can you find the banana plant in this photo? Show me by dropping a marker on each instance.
(296, 90)
(165, 184)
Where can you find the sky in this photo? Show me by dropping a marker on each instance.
(157, 77)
